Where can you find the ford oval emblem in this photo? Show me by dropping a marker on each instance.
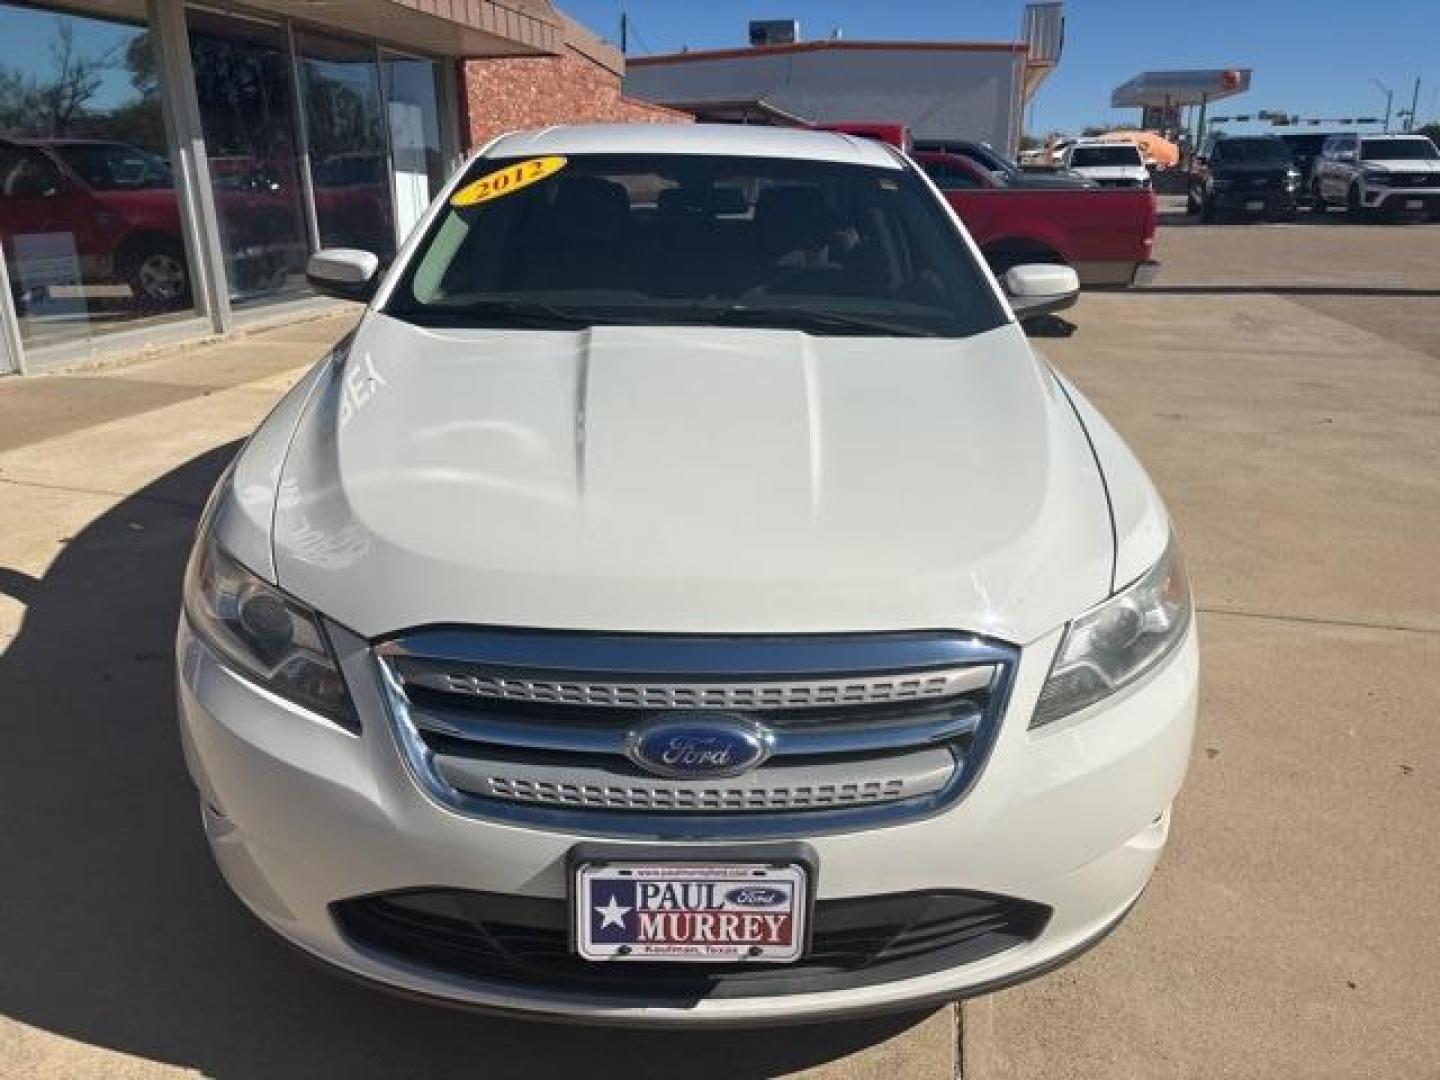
(756, 896)
(698, 746)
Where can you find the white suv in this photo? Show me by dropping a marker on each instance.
(686, 598)
(1367, 173)
(1108, 162)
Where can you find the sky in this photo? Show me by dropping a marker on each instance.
(1311, 57)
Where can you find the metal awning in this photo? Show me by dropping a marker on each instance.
(1163, 89)
(470, 28)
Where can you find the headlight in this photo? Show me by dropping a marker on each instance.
(1114, 644)
(271, 637)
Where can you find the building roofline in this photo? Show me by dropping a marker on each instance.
(827, 44)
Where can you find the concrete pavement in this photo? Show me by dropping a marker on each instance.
(1293, 928)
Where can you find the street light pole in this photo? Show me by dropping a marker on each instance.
(1389, 100)
(1414, 104)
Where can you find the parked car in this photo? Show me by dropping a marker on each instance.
(1108, 163)
(1305, 147)
(1249, 174)
(112, 207)
(1004, 170)
(1384, 173)
(699, 607)
(113, 201)
(1107, 235)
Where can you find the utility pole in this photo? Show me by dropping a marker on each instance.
(1389, 100)
(624, 31)
(1414, 104)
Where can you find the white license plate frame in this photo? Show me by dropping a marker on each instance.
(623, 912)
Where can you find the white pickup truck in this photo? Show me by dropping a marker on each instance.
(687, 599)
(1377, 173)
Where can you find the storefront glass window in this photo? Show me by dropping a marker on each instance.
(349, 159)
(412, 101)
(244, 86)
(88, 215)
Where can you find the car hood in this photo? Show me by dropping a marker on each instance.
(1112, 172)
(1403, 165)
(687, 479)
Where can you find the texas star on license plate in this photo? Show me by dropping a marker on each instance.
(697, 913)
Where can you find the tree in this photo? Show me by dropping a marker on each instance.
(58, 105)
(61, 102)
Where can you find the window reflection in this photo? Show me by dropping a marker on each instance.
(88, 216)
(412, 103)
(242, 80)
(349, 160)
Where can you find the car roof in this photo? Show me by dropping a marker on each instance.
(734, 140)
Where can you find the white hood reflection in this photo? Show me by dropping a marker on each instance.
(691, 479)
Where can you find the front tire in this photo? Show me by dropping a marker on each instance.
(1207, 209)
(1353, 205)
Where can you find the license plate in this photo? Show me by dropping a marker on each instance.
(1414, 204)
(1255, 204)
(697, 913)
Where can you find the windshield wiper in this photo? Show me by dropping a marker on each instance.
(810, 319)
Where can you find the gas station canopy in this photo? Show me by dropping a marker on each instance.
(1166, 89)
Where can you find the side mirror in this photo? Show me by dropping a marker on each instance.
(1037, 289)
(345, 273)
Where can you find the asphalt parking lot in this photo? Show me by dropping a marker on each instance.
(1282, 384)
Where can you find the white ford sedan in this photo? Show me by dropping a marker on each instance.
(686, 598)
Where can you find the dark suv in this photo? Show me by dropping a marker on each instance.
(1252, 174)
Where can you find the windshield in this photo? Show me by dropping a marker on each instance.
(1398, 150)
(1083, 157)
(1266, 151)
(694, 239)
(117, 167)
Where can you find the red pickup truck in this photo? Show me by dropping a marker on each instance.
(1106, 234)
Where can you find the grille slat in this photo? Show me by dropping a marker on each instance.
(740, 695)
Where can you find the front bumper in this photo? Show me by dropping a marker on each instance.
(1400, 200)
(1268, 201)
(302, 815)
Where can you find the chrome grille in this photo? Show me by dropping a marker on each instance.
(532, 727)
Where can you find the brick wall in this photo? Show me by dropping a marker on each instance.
(509, 94)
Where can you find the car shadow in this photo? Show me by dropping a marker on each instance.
(117, 931)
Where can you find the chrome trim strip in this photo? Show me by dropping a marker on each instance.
(733, 658)
(839, 738)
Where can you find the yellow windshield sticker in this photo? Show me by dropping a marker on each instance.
(504, 181)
